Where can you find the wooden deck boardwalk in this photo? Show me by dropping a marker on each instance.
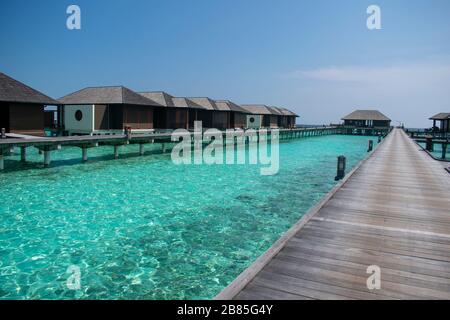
(48, 144)
(393, 212)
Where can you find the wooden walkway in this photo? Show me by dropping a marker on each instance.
(393, 212)
(48, 144)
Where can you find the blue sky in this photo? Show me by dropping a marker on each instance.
(315, 57)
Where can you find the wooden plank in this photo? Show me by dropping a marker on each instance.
(297, 285)
(404, 263)
(255, 292)
(389, 274)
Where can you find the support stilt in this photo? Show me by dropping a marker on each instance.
(370, 147)
(84, 153)
(46, 158)
(116, 152)
(141, 149)
(23, 154)
(340, 168)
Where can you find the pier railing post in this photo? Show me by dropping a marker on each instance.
(23, 154)
(429, 143)
(128, 132)
(46, 158)
(84, 153)
(370, 146)
(340, 168)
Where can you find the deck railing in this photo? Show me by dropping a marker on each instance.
(48, 144)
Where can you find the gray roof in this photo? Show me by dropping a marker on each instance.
(258, 109)
(12, 90)
(287, 112)
(205, 102)
(167, 100)
(181, 102)
(107, 95)
(276, 111)
(162, 98)
(441, 116)
(366, 115)
(227, 105)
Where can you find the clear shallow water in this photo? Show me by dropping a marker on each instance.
(144, 228)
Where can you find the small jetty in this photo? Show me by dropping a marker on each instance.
(391, 211)
(85, 142)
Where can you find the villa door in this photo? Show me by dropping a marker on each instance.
(4, 116)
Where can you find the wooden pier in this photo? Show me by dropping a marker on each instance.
(49, 144)
(392, 211)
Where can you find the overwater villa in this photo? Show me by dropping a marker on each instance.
(22, 107)
(98, 109)
(287, 119)
(444, 122)
(181, 112)
(110, 109)
(366, 122)
(262, 116)
(212, 115)
(237, 114)
(172, 112)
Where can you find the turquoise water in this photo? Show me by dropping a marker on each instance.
(144, 228)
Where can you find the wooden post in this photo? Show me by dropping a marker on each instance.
(116, 152)
(370, 146)
(429, 143)
(84, 153)
(3, 134)
(340, 168)
(187, 119)
(46, 158)
(2, 162)
(128, 132)
(163, 147)
(444, 150)
(141, 149)
(23, 154)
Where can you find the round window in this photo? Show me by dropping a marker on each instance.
(252, 120)
(78, 115)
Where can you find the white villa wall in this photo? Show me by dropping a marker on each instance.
(85, 125)
(256, 124)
